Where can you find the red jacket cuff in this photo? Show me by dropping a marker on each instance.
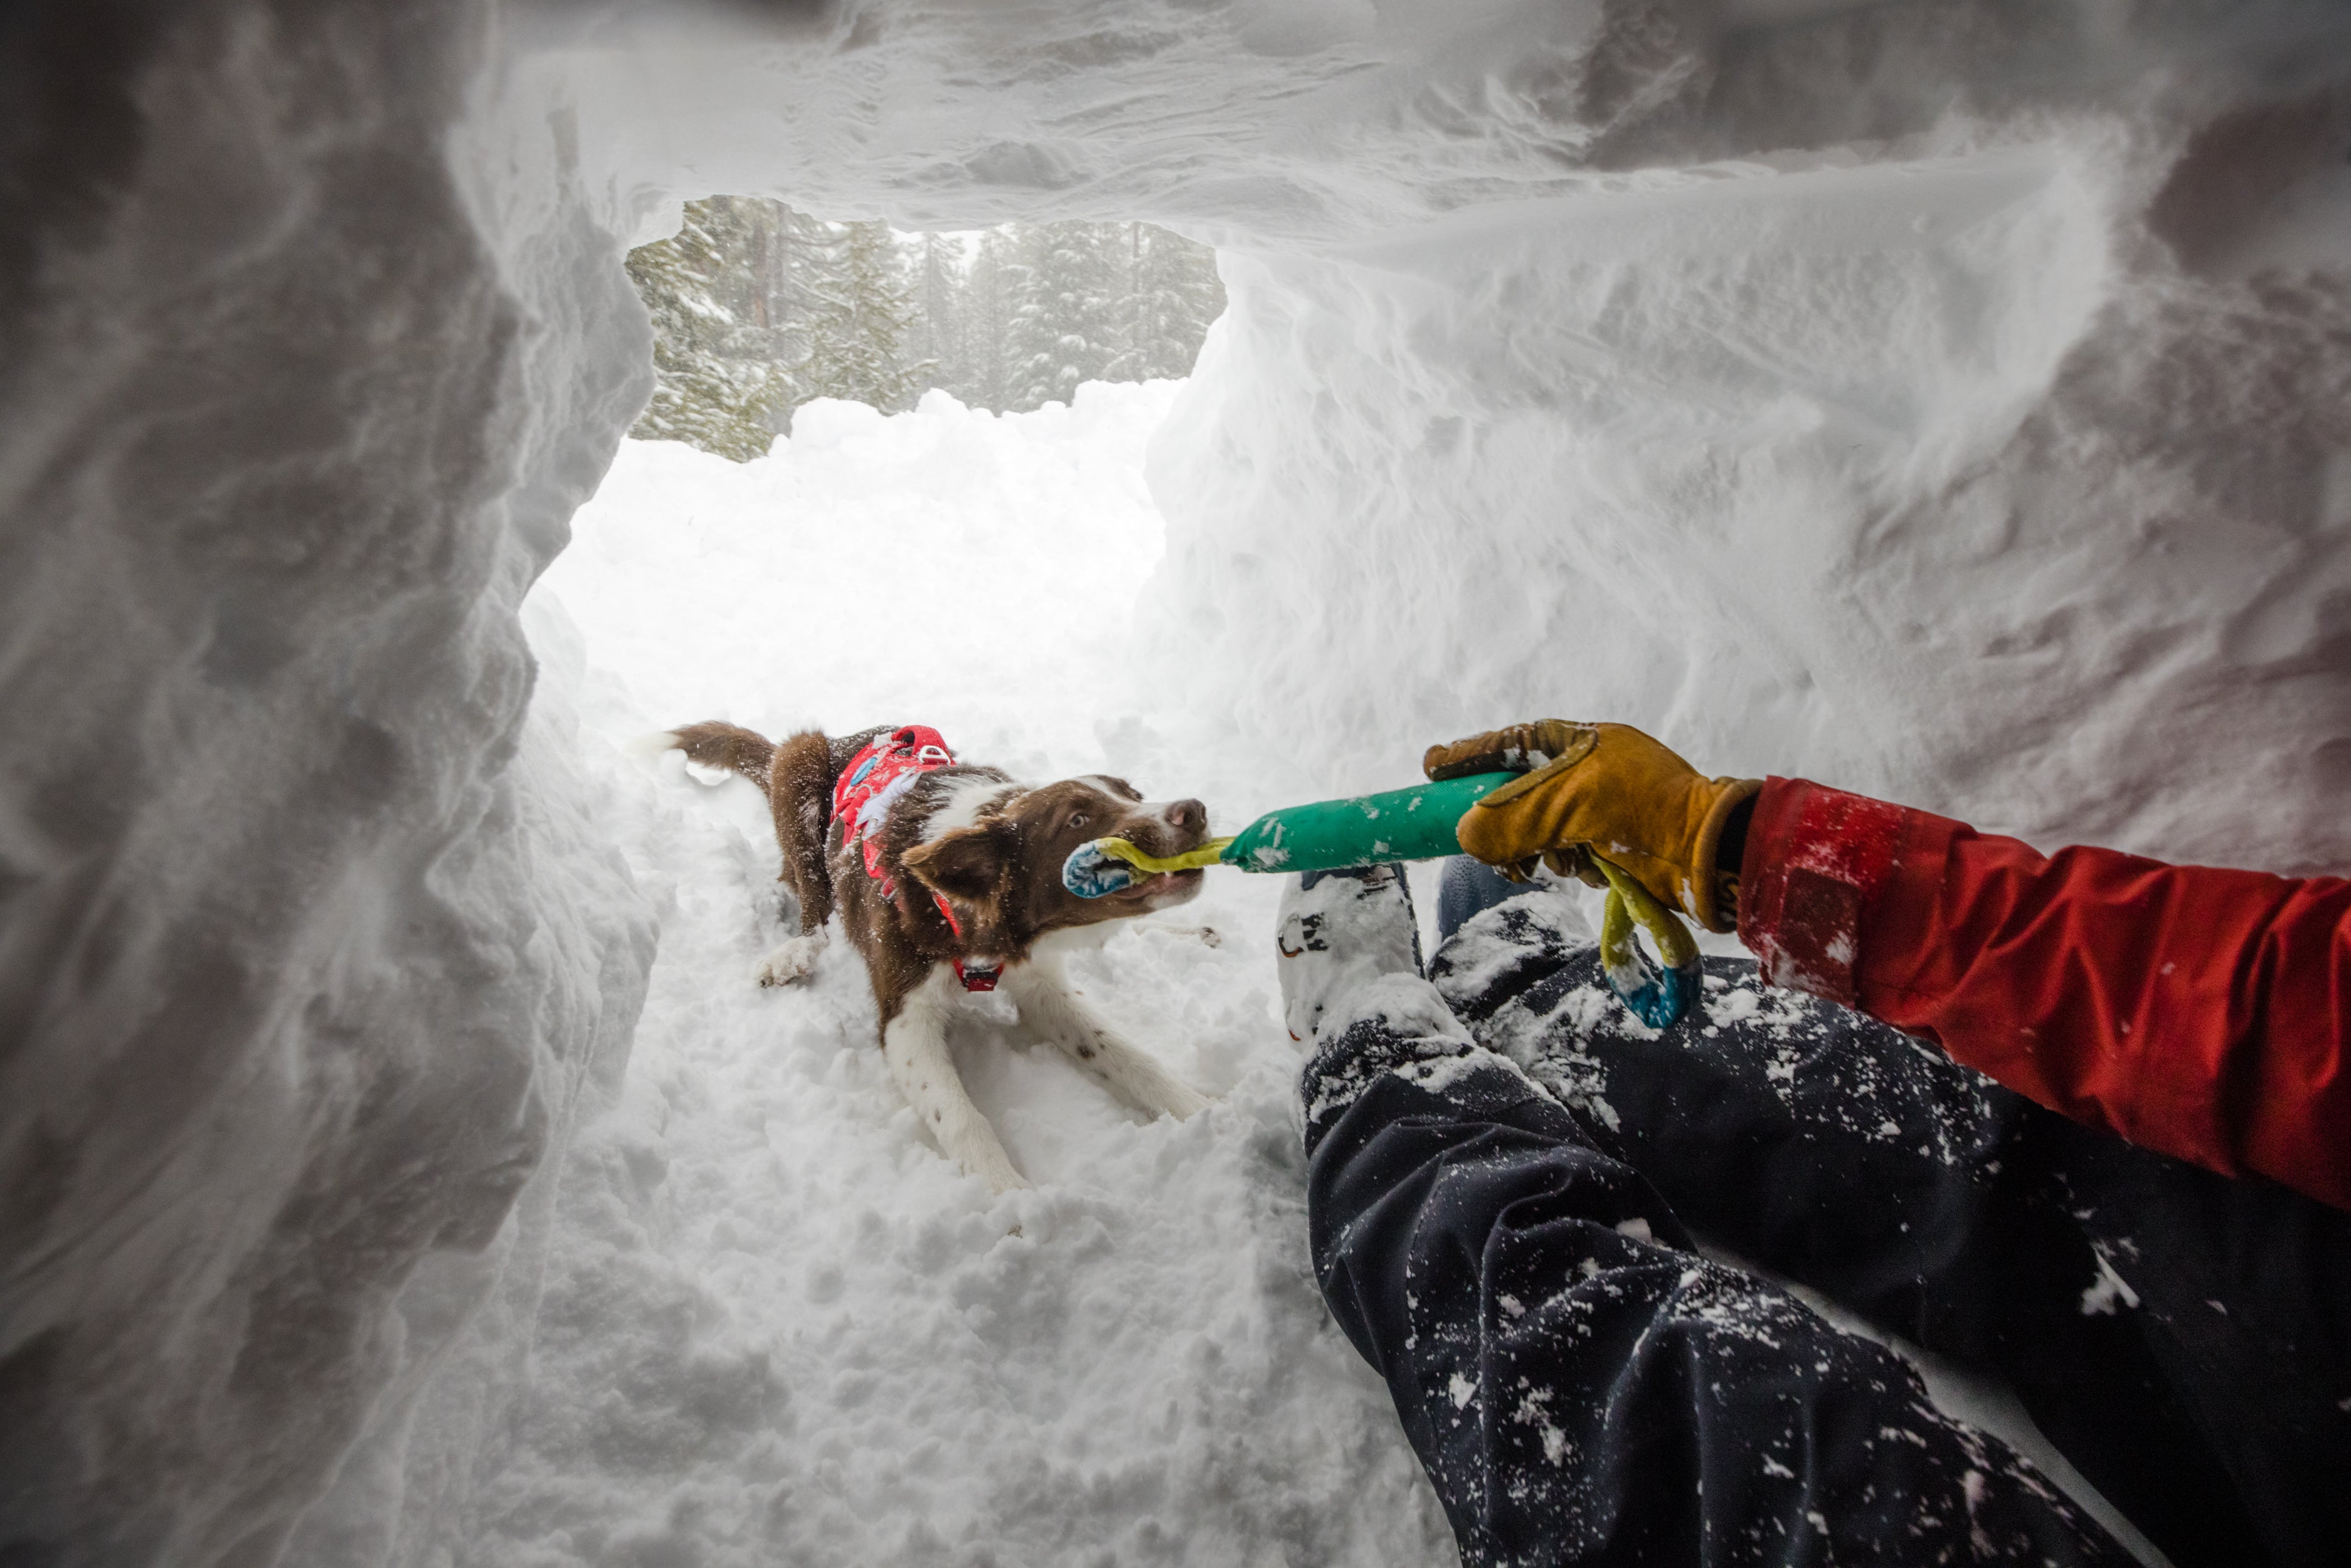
(1818, 868)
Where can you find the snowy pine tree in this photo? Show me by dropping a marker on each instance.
(1173, 295)
(714, 373)
(758, 308)
(858, 309)
(935, 342)
(799, 262)
(991, 300)
(1065, 329)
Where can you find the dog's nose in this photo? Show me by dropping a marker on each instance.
(1188, 816)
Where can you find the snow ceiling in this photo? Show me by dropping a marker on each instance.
(1947, 399)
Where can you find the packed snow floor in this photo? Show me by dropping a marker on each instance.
(778, 1327)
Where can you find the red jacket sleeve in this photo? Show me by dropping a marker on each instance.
(2200, 1012)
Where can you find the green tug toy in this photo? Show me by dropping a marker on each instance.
(1415, 824)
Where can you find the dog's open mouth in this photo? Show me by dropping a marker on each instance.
(1146, 884)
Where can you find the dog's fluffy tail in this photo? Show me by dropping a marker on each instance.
(716, 744)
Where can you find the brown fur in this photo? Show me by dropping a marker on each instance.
(1002, 872)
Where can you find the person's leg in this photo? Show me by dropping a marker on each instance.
(1468, 886)
(1579, 1385)
(2238, 1294)
(1869, 1166)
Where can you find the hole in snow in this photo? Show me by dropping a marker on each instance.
(927, 534)
(758, 308)
(884, 477)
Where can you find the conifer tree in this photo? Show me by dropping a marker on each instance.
(715, 380)
(936, 342)
(1175, 294)
(801, 265)
(857, 312)
(758, 308)
(991, 300)
(1124, 253)
(1065, 330)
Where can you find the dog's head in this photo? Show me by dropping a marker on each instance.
(1003, 869)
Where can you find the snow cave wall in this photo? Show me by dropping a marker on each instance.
(1944, 398)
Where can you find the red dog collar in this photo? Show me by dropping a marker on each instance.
(977, 974)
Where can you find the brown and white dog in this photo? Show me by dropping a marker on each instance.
(955, 881)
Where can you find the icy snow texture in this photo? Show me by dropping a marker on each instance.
(1944, 398)
(309, 948)
(1937, 481)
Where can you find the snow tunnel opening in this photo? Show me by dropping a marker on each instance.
(884, 476)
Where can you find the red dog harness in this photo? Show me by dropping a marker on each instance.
(876, 779)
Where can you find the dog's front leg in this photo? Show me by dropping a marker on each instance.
(1049, 1006)
(914, 1043)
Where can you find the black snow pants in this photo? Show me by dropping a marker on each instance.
(1504, 1230)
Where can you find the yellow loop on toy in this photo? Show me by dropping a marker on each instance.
(1207, 855)
(1658, 998)
(1628, 901)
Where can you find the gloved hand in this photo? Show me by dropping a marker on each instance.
(1606, 789)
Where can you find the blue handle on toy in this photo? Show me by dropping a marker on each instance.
(1091, 874)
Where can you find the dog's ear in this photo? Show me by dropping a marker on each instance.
(968, 863)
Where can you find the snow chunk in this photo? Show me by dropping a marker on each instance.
(2103, 1294)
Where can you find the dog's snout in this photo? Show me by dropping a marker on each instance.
(1166, 827)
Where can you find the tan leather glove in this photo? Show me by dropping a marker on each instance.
(1606, 789)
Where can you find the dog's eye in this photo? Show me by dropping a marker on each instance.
(1079, 820)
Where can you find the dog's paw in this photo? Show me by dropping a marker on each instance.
(789, 961)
